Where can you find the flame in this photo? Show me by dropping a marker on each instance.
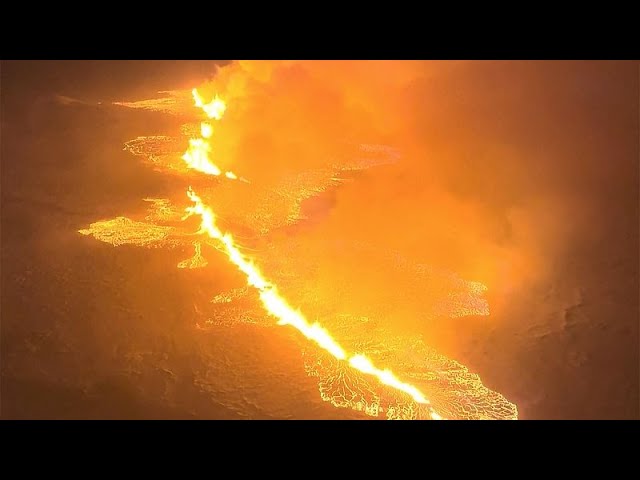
(286, 315)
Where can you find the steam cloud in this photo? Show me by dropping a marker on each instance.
(499, 173)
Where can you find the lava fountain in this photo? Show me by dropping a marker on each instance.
(197, 155)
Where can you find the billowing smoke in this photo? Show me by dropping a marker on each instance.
(501, 170)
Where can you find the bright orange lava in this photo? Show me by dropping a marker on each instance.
(197, 155)
(286, 315)
(309, 118)
(214, 109)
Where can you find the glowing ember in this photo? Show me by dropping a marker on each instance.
(286, 315)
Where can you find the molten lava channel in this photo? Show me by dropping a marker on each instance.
(278, 307)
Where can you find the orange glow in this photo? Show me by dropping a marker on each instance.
(278, 307)
(382, 262)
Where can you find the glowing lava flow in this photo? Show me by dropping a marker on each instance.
(197, 155)
(279, 308)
